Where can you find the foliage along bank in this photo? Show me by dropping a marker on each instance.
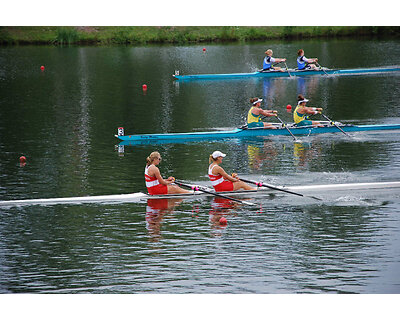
(107, 35)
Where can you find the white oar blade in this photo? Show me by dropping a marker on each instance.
(249, 203)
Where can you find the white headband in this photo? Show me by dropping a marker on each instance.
(255, 102)
(304, 100)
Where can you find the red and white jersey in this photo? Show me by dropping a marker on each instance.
(150, 181)
(215, 179)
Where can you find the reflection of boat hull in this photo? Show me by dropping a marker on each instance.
(292, 72)
(246, 133)
(139, 196)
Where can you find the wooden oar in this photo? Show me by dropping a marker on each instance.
(202, 189)
(262, 184)
(332, 122)
(285, 126)
(320, 67)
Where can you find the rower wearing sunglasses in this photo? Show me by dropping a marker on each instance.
(254, 116)
(302, 112)
(154, 181)
(220, 180)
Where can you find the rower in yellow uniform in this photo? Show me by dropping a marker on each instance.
(254, 116)
(301, 113)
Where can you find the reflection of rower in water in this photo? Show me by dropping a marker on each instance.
(255, 113)
(269, 60)
(261, 153)
(156, 209)
(154, 181)
(304, 153)
(221, 207)
(301, 154)
(301, 113)
(220, 180)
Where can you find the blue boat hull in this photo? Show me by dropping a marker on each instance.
(247, 133)
(292, 72)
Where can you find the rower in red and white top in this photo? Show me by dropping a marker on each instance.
(154, 181)
(220, 180)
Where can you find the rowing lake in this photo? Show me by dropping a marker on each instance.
(63, 119)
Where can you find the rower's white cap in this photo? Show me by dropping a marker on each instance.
(304, 100)
(255, 102)
(217, 154)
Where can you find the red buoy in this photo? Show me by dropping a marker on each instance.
(144, 87)
(42, 68)
(288, 106)
(204, 49)
(22, 159)
(223, 221)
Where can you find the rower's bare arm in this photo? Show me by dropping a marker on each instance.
(156, 172)
(269, 113)
(265, 113)
(221, 171)
(311, 110)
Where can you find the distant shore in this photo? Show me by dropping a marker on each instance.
(180, 34)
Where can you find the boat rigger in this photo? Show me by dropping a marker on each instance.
(140, 196)
(286, 73)
(250, 132)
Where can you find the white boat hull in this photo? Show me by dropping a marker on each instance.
(139, 196)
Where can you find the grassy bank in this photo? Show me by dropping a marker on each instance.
(178, 35)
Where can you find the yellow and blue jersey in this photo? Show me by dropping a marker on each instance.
(251, 117)
(299, 117)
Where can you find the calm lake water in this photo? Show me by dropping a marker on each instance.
(63, 119)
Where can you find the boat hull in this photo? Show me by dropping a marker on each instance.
(247, 133)
(140, 197)
(291, 73)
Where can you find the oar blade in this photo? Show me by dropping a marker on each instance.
(248, 203)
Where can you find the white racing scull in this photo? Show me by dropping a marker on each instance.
(140, 196)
